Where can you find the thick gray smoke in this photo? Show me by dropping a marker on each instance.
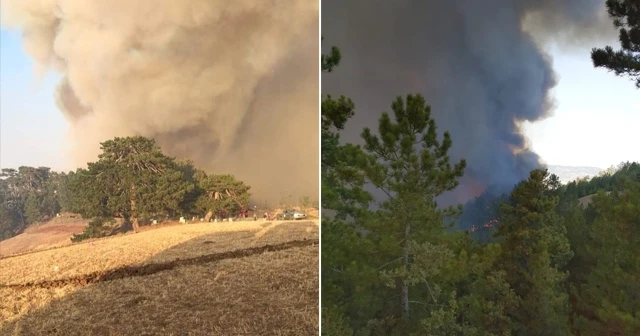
(230, 84)
(476, 62)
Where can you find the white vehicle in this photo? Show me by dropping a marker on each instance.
(299, 215)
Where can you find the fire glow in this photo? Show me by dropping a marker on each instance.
(492, 223)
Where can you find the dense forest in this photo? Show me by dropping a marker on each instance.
(481, 214)
(533, 261)
(132, 180)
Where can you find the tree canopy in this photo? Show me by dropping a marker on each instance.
(131, 179)
(28, 195)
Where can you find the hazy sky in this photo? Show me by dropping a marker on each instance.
(32, 130)
(597, 117)
(595, 123)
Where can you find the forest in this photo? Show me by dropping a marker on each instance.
(532, 261)
(132, 180)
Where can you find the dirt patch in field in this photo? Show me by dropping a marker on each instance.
(54, 233)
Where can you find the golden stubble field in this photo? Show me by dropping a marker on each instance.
(241, 278)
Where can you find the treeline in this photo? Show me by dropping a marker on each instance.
(132, 181)
(482, 213)
(29, 195)
(547, 266)
(612, 178)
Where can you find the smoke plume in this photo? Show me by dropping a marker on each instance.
(229, 84)
(476, 62)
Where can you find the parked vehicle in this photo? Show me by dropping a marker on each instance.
(299, 215)
(291, 215)
(286, 215)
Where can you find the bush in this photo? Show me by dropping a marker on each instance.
(97, 228)
(334, 323)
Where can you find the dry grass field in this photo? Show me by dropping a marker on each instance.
(38, 237)
(240, 278)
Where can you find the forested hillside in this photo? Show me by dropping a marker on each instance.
(132, 181)
(482, 213)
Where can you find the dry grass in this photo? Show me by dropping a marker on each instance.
(137, 248)
(47, 235)
(274, 293)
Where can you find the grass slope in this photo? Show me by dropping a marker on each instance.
(197, 279)
(54, 233)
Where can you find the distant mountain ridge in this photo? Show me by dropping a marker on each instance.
(572, 173)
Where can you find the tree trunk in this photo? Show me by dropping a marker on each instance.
(134, 216)
(208, 216)
(404, 295)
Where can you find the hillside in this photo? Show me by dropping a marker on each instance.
(572, 173)
(202, 279)
(54, 233)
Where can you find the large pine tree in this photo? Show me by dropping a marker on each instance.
(131, 179)
(409, 165)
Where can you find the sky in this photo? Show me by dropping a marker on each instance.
(594, 124)
(32, 130)
(596, 118)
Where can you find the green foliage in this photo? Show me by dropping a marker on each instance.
(408, 163)
(614, 178)
(608, 292)
(626, 61)
(132, 180)
(11, 215)
(334, 323)
(28, 195)
(342, 183)
(32, 208)
(347, 275)
(535, 250)
(330, 61)
(97, 228)
(221, 193)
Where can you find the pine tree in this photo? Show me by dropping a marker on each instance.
(346, 273)
(132, 179)
(32, 208)
(535, 248)
(221, 193)
(408, 163)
